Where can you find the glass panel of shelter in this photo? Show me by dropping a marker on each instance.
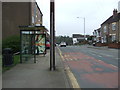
(27, 45)
(32, 43)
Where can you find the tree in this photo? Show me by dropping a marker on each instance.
(66, 39)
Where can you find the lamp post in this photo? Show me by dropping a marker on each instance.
(84, 25)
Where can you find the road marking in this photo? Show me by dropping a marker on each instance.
(110, 64)
(108, 55)
(117, 58)
(114, 66)
(100, 60)
(99, 56)
(70, 74)
(76, 60)
(61, 54)
(66, 55)
(72, 78)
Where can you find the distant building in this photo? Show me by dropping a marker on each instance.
(77, 38)
(15, 14)
(97, 35)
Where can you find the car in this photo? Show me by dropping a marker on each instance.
(94, 44)
(63, 44)
(47, 45)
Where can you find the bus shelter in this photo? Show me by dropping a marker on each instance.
(33, 42)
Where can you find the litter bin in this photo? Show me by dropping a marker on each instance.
(7, 57)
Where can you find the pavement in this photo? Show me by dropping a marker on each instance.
(37, 75)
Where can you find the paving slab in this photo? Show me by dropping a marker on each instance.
(36, 75)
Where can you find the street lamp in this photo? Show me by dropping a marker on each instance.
(84, 25)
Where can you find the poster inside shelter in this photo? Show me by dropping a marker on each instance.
(40, 44)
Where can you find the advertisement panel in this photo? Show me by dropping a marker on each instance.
(40, 41)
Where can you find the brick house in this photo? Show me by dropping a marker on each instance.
(110, 29)
(15, 14)
(36, 15)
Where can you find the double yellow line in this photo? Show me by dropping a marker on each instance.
(69, 73)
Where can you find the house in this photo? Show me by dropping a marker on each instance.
(15, 14)
(97, 35)
(78, 38)
(110, 29)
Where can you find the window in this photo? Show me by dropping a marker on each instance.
(105, 39)
(33, 20)
(105, 28)
(114, 26)
(113, 38)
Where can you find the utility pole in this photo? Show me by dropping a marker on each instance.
(52, 35)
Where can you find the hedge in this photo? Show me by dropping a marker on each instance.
(12, 42)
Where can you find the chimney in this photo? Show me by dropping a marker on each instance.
(115, 13)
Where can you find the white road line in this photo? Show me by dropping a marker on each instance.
(117, 58)
(100, 60)
(110, 64)
(99, 56)
(75, 59)
(108, 55)
(114, 66)
(102, 54)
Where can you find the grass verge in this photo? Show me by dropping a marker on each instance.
(16, 61)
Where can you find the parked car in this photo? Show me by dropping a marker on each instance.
(63, 44)
(94, 44)
(47, 45)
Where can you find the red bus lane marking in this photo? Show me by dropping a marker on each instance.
(94, 71)
(110, 80)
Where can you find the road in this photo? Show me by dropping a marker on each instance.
(93, 67)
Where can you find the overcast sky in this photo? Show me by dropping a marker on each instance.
(67, 11)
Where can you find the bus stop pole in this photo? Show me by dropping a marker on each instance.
(52, 36)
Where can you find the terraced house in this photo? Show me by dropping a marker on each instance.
(110, 30)
(15, 14)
